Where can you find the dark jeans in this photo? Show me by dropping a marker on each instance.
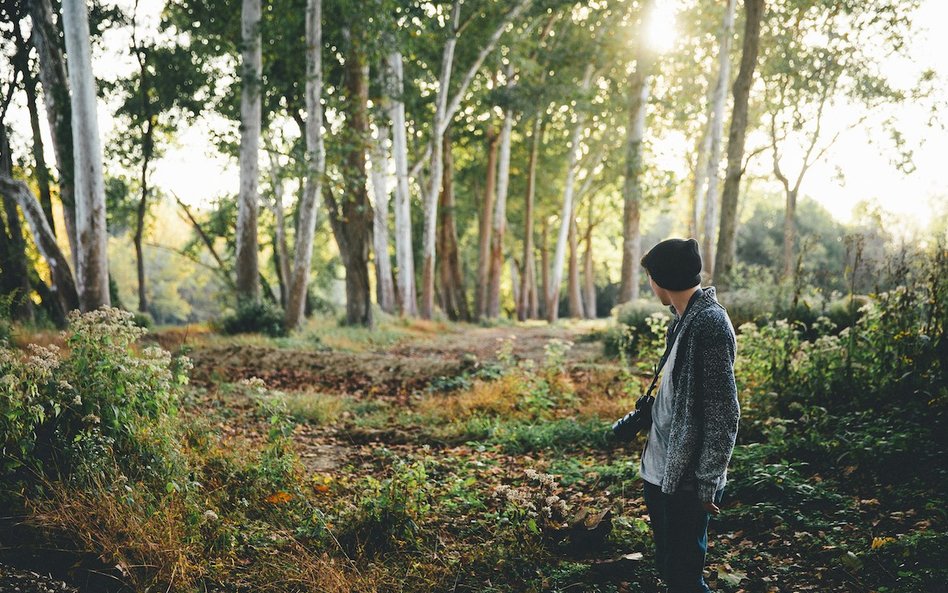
(680, 528)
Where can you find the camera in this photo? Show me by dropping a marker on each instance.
(625, 428)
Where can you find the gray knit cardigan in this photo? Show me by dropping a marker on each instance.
(705, 414)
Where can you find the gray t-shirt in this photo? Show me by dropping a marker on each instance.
(653, 459)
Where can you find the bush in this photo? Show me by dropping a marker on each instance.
(254, 317)
(70, 416)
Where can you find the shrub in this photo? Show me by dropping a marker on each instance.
(68, 416)
(254, 317)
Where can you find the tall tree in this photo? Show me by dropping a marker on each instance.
(716, 124)
(93, 265)
(446, 106)
(499, 226)
(351, 214)
(315, 166)
(404, 258)
(566, 213)
(52, 70)
(251, 70)
(727, 232)
(638, 94)
(384, 287)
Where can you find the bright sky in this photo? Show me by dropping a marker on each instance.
(853, 171)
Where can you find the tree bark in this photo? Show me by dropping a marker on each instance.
(486, 224)
(280, 246)
(632, 189)
(248, 288)
(437, 164)
(529, 274)
(717, 128)
(453, 299)
(315, 166)
(697, 188)
(385, 290)
(544, 268)
(589, 277)
(444, 113)
(351, 216)
(404, 257)
(574, 294)
(566, 214)
(44, 239)
(14, 266)
(29, 85)
(727, 234)
(500, 209)
(92, 276)
(52, 71)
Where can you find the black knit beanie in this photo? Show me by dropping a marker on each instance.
(674, 264)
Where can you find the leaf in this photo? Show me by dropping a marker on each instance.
(731, 578)
(279, 497)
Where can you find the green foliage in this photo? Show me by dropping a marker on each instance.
(254, 317)
(387, 512)
(102, 403)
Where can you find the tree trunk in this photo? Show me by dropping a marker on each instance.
(29, 85)
(248, 288)
(632, 190)
(700, 177)
(500, 210)
(404, 257)
(529, 275)
(315, 166)
(515, 279)
(437, 165)
(52, 69)
(453, 300)
(92, 276)
(485, 225)
(717, 127)
(44, 239)
(280, 248)
(727, 234)
(566, 214)
(14, 266)
(444, 113)
(589, 277)
(351, 216)
(575, 297)
(140, 218)
(385, 290)
(544, 268)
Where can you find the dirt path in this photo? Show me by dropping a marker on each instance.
(384, 372)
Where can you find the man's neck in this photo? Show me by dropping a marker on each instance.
(681, 299)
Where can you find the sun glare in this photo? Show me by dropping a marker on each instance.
(660, 30)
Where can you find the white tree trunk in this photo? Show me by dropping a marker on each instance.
(379, 176)
(500, 209)
(717, 128)
(437, 165)
(566, 214)
(404, 258)
(315, 165)
(444, 112)
(92, 276)
(279, 215)
(248, 287)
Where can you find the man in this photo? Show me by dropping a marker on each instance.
(694, 417)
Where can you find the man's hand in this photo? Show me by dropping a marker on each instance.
(711, 507)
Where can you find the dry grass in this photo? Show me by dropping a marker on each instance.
(146, 548)
(492, 398)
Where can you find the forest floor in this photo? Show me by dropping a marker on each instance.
(419, 402)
